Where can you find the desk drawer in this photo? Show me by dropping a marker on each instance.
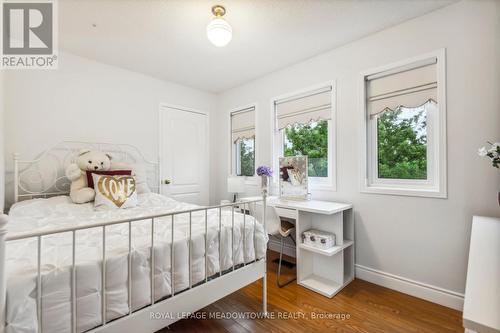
(286, 212)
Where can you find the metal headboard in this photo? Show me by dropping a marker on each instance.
(45, 176)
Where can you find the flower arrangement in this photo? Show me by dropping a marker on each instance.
(493, 153)
(264, 171)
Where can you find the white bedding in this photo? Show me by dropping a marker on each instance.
(40, 214)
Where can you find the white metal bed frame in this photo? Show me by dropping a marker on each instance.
(31, 180)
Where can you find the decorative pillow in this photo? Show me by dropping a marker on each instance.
(115, 191)
(90, 180)
(284, 172)
(295, 177)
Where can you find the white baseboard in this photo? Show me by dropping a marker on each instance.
(425, 291)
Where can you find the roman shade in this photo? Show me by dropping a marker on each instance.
(243, 124)
(304, 108)
(408, 86)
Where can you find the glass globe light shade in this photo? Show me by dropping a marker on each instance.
(219, 32)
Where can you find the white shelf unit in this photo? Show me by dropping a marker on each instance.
(326, 271)
(327, 252)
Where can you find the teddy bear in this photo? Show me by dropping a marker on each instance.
(90, 160)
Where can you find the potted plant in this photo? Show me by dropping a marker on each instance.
(493, 153)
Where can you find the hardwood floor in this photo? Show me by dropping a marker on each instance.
(360, 307)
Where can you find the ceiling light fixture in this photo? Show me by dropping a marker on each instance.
(219, 32)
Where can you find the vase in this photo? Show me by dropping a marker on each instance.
(264, 183)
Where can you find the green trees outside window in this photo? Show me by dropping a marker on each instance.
(401, 139)
(312, 140)
(246, 157)
(402, 144)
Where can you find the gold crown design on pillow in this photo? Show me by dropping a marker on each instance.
(115, 191)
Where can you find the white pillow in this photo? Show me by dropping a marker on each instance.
(114, 191)
(138, 171)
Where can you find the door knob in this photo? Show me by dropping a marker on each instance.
(166, 181)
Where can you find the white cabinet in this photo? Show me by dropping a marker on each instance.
(326, 271)
(482, 290)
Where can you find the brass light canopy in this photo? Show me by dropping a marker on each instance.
(218, 10)
(219, 32)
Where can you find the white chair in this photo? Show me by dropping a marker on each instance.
(275, 226)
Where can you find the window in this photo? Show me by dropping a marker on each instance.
(243, 142)
(245, 157)
(402, 143)
(309, 139)
(304, 127)
(405, 129)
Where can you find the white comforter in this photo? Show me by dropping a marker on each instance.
(40, 214)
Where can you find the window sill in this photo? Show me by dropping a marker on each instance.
(251, 180)
(323, 187)
(405, 191)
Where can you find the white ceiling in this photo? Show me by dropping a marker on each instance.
(167, 39)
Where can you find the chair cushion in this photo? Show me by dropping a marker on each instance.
(286, 227)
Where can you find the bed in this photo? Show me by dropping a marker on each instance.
(70, 268)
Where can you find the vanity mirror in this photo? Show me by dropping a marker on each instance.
(293, 177)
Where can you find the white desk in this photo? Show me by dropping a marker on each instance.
(482, 289)
(323, 271)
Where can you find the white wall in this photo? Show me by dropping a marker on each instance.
(89, 101)
(421, 239)
(2, 135)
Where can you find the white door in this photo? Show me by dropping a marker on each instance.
(184, 160)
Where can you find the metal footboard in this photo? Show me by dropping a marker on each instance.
(168, 218)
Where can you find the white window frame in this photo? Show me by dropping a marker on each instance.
(232, 167)
(234, 157)
(315, 183)
(435, 186)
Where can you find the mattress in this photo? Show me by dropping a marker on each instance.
(42, 214)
